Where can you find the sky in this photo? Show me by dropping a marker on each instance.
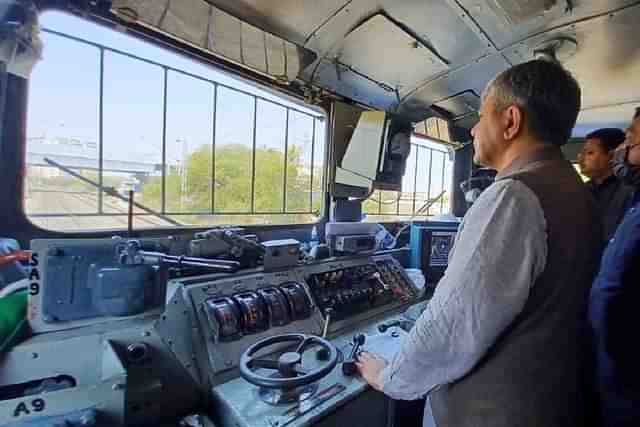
(64, 93)
(64, 97)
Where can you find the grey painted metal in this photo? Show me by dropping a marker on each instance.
(96, 357)
(338, 79)
(219, 33)
(180, 354)
(84, 418)
(460, 104)
(293, 20)
(470, 77)
(223, 357)
(92, 251)
(505, 30)
(478, 38)
(417, 17)
(361, 47)
(99, 374)
(280, 254)
(607, 60)
(466, 122)
(462, 32)
(175, 326)
(618, 116)
(239, 405)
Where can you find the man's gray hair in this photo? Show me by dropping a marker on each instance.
(548, 95)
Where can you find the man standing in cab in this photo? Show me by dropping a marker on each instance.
(612, 195)
(615, 296)
(501, 343)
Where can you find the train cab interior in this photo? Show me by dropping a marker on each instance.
(209, 207)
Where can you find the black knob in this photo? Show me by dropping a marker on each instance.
(138, 352)
(323, 354)
(349, 367)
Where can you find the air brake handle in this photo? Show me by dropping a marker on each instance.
(232, 238)
(349, 367)
(132, 254)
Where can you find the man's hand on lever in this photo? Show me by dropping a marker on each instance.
(370, 366)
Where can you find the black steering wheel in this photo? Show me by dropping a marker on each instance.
(288, 364)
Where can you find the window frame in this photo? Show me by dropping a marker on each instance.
(321, 118)
(397, 215)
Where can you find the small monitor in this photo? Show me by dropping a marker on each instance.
(431, 243)
(376, 155)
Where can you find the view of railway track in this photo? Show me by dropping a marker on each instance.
(78, 210)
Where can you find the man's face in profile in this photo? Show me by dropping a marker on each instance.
(633, 142)
(594, 159)
(487, 134)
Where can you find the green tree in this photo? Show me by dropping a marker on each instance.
(189, 188)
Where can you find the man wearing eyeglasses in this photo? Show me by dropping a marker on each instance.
(615, 299)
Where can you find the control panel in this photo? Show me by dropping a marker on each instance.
(350, 291)
(193, 335)
(234, 312)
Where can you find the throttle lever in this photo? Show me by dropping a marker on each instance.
(349, 365)
(323, 353)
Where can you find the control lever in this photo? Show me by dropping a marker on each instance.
(396, 291)
(323, 353)
(349, 367)
(131, 253)
(327, 313)
(377, 277)
(405, 325)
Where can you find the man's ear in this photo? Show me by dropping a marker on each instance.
(513, 118)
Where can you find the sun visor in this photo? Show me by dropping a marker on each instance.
(20, 44)
(206, 27)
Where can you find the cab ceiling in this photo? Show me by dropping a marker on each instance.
(423, 58)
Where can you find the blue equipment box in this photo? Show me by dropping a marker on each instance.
(431, 242)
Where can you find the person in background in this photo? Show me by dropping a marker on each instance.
(502, 341)
(615, 298)
(612, 195)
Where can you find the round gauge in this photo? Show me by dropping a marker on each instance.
(254, 313)
(298, 300)
(277, 306)
(224, 316)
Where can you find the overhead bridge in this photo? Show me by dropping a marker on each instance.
(77, 162)
(83, 155)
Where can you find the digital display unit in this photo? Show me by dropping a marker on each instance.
(431, 242)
